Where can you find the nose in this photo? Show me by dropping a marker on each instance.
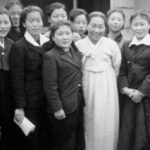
(138, 27)
(96, 30)
(65, 36)
(81, 25)
(3, 25)
(60, 18)
(16, 15)
(35, 23)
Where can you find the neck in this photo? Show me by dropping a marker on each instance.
(93, 41)
(2, 39)
(16, 28)
(113, 35)
(66, 49)
(36, 37)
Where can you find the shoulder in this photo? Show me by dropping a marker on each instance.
(19, 46)
(50, 54)
(80, 42)
(20, 43)
(47, 34)
(9, 40)
(109, 41)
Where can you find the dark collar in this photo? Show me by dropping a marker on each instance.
(75, 59)
(118, 38)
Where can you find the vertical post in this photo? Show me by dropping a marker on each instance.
(75, 4)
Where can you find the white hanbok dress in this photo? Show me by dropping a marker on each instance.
(101, 64)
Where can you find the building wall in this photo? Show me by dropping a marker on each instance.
(143, 4)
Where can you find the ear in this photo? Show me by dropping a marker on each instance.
(49, 20)
(53, 39)
(24, 25)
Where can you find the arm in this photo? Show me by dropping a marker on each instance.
(116, 59)
(50, 82)
(122, 78)
(123, 75)
(17, 77)
(144, 88)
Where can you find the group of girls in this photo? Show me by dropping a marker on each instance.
(67, 81)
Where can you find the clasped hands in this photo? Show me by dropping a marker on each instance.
(135, 95)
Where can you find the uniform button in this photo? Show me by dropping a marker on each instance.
(79, 85)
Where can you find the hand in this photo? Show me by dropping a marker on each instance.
(137, 97)
(76, 36)
(19, 114)
(128, 91)
(60, 114)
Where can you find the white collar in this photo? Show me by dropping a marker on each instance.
(2, 43)
(31, 40)
(145, 41)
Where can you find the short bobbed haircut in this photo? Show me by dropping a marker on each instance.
(76, 12)
(141, 13)
(12, 3)
(96, 14)
(59, 24)
(25, 12)
(53, 6)
(118, 10)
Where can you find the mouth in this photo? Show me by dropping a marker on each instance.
(36, 30)
(3, 31)
(65, 42)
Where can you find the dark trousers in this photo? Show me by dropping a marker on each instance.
(64, 131)
(38, 139)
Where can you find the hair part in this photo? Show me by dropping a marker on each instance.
(76, 12)
(59, 24)
(118, 10)
(25, 12)
(53, 6)
(12, 3)
(96, 14)
(141, 13)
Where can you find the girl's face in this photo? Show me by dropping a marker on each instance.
(58, 15)
(5, 25)
(96, 29)
(140, 27)
(33, 23)
(80, 24)
(63, 37)
(15, 12)
(115, 22)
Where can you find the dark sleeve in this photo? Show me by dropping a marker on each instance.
(47, 46)
(123, 74)
(17, 75)
(50, 80)
(145, 86)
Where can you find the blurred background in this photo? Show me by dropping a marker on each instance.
(91, 5)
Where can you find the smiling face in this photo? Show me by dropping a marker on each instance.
(58, 15)
(15, 12)
(33, 23)
(115, 22)
(5, 25)
(96, 29)
(63, 37)
(140, 27)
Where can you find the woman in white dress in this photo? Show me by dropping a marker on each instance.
(101, 62)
